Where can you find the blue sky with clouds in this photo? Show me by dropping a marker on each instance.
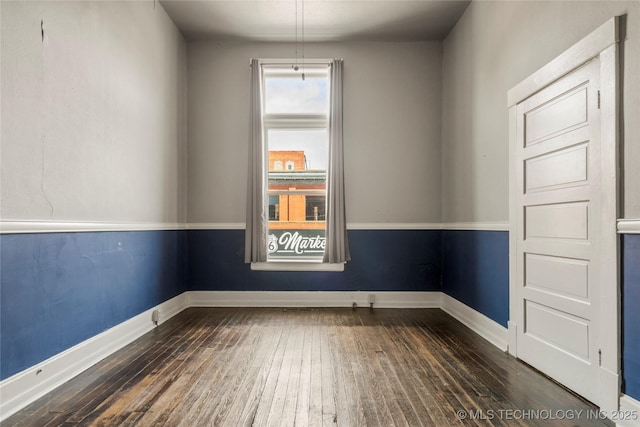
(294, 95)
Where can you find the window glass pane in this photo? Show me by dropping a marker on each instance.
(297, 193)
(296, 96)
(312, 143)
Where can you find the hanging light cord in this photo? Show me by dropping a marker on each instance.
(295, 67)
(302, 39)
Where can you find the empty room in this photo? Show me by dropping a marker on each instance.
(319, 212)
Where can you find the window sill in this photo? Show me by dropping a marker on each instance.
(296, 266)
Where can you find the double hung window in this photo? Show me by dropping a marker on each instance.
(295, 117)
(296, 216)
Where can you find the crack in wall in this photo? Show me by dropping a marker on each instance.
(43, 138)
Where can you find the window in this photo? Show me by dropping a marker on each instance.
(295, 120)
(297, 213)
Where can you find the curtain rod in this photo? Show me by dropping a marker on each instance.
(275, 61)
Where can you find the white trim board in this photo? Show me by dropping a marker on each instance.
(626, 226)
(488, 226)
(215, 226)
(629, 226)
(488, 329)
(27, 386)
(45, 226)
(629, 412)
(589, 47)
(298, 266)
(23, 388)
(394, 226)
(28, 227)
(313, 299)
(476, 226)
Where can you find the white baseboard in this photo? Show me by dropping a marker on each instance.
(608, 390)
(25, 387)
(629, 411)
(512, 331)
(313, 299)
(493, 332)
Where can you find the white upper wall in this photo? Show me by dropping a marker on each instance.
(392, 128)
(494, 46)
(94, 115)
(94, 118)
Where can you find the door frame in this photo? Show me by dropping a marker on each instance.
(602, 43)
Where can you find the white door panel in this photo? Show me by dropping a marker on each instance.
(556, 115)
(563, 276)
(566, 166)
(556, 328)
(570, 138)
(555, 248)
(561, 221)
(575, 306)
(563, 194)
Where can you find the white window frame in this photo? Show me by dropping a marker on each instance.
(283, 68)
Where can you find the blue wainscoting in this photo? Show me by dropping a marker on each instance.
(631, 314)
(476, 270)
(59, 289)
(382, 260)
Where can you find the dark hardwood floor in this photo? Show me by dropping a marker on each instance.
(309, 367)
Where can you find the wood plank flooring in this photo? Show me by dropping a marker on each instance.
(309, 367)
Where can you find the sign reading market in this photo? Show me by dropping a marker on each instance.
(296, 243)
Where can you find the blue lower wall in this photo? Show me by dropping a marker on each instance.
(382, 260)
(631, 314)
(59, 289)
(475, 270)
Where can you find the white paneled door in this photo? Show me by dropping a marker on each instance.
(559, 229)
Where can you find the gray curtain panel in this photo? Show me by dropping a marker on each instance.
(337, 244)
(256, 227)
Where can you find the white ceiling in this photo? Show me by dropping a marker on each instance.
(324, 20)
